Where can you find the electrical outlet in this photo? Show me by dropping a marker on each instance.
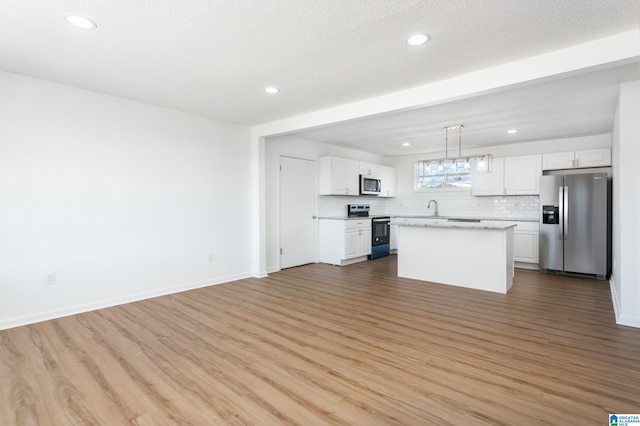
(211, 258)
(50, 278)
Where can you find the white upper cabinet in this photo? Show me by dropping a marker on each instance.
(593, 158)
(522, 175)
(488, 183)
(509, 176)
(558, 160)
(338, 176)
(600, 157)
(369, 169)
(387, 176)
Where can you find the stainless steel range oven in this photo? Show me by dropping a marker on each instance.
(380, 233)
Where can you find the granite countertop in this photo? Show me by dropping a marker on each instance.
(396, 216)
(505, 219)
(371, 216)
(462, 225)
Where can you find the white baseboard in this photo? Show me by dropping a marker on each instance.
(629, 322)
(352, 261)
(621, 319)
(523, 265)
(272, 269)
(86, 307)
(614, 300)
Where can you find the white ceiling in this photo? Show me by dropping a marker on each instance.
(567, 107)
(213, 58)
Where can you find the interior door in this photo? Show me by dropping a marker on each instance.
(297, 212)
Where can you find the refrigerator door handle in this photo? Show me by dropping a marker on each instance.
(565, 213)
(561, 211)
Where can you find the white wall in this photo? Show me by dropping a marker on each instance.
(292, 146)
(121, 200)
(461, 203)
(625, 279)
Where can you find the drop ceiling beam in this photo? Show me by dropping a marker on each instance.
(608, 51)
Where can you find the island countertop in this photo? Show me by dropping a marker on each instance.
(499, 219)
(443, 223)
(395, 217)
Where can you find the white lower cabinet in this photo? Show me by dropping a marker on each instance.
(526, 242)
(344, 241)
(358, 242)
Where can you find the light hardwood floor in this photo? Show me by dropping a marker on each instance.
(320, 344)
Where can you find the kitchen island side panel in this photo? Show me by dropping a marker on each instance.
(474, 258)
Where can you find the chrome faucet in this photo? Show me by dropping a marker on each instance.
(429, 206)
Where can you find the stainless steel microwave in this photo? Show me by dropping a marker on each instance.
(370, 186)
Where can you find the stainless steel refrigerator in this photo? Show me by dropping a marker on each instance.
(575, 230)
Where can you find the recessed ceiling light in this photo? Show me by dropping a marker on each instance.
(406, 144)
(512, 131)
(418, 39)
(271, 90)
(81, 22)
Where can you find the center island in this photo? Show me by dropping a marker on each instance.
(476, 255)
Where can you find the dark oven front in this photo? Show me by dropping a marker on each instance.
(380, 230)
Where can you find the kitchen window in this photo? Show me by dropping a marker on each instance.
(439, 174)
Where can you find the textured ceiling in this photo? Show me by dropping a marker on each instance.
(214, 57)
(567, 107)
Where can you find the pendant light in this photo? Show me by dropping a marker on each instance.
(483, 162)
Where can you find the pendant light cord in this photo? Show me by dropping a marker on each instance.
(446, 142)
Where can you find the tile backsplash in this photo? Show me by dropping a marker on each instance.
(450, 203)
(463, 204)
(336, 205)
